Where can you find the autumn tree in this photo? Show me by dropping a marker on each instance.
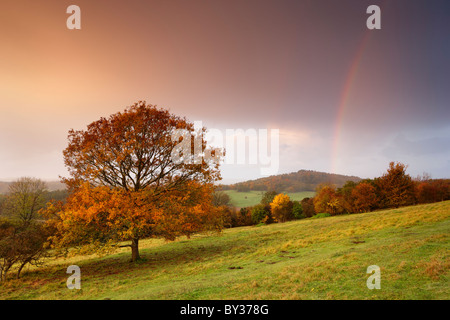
(143, 172)
(281, 208)
(364, 197)
(396, 187)
(327, 200)
(308, 207)
(234, 217)
(245, 216)
(346, 195)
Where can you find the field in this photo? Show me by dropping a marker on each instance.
(251, 198)
(323, 258)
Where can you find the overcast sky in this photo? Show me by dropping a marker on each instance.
(345, 99)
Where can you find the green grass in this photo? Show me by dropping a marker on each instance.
(251, 198)
(305, 259)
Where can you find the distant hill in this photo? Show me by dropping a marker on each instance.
(302, 180)
(52, 186)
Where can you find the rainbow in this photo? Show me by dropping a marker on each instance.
(344, 98)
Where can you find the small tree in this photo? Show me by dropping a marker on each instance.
(221, 198)
(308, 207)
(364, 197)
(268, 197)
(345, 193)
(396, 187)
(260, 213)
(24, 234)
(281, 208)
(327, 200)
(26, 196)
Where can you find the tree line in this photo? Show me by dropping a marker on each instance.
(393, 189)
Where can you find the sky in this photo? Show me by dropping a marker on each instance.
(344, 98)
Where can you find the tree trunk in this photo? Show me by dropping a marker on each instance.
(135, 249)
(3, 272)
(21, 267)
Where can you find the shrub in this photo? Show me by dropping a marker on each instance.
(260, 213)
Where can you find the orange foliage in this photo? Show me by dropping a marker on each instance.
(396, 187)
(127, 183)
(433, 191)
(134, 150)
(364, 197)
(327, 200)
(104, 216)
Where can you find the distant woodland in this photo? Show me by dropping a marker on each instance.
(302, 180)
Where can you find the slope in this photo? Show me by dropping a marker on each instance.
(307, 259)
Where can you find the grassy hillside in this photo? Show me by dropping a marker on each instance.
(307, 259)
(251, 198)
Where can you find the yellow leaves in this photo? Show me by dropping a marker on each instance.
(279, 201)
(281, 208)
